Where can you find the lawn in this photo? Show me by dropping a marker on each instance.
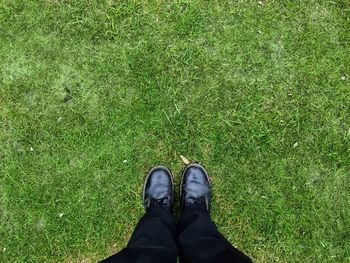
(94, 93)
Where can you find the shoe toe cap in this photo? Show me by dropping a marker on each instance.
(159, 183)
(196, 181)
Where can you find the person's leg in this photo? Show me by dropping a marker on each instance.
(154, 238)
(199, 239)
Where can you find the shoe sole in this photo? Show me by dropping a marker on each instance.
(148, 175)
(183, 175)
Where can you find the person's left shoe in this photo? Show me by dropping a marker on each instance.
(158, 190)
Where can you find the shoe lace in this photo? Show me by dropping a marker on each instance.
(160, 202)
(196, 201)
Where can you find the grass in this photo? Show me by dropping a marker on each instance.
(92, 94)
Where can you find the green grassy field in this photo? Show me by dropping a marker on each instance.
(93, 94)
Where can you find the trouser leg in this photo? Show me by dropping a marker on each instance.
(153, 240)
(201, 242)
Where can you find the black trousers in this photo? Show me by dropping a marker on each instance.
(195, 239)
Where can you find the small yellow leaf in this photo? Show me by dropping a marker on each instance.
(184, 160)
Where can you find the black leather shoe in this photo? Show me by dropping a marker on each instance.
(195, 187)
(158, 190)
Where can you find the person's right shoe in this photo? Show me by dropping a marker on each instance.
(195, 187)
